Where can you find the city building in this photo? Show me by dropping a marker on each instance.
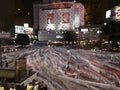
(89, 34)
(57, 18)
(52, 20)
(23, 29)
(15, 75)
(113, 14)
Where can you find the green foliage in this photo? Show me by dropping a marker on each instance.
(69, 36)
(22, 39)
(115, 44)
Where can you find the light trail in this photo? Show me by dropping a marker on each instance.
(83, 65)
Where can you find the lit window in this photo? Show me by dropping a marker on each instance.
(18, 9)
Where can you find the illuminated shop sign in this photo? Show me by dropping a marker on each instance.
(19, 29)
(59, 5)
(108, 14)
(23, 30)
(2, 88)
(117, 11)
(114, 13)
(84, 30)
(28, 31)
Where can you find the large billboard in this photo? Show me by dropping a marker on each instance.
(23, 30)
(108, 14)
(66, 17)
(117, 12)
(113, 13)
(59, 16)
(50, 18)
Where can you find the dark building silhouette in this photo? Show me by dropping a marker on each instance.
(95, 10)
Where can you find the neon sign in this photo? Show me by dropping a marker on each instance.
(117, 12)
(59, 5)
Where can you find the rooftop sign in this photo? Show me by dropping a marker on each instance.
(57, 5)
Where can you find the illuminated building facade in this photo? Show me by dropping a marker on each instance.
(94, 14)
(23, 30)
(90, 33)
(113, 14)
(58, 16)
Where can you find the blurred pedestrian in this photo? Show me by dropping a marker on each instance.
(6, 64)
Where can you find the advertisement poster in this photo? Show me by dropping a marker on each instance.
(66, 17)
(118, 13)
(50, 18)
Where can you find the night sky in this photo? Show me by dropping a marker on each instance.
(6, 14)
(28, 3)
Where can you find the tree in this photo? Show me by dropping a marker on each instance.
(22, 39)
(70, 36)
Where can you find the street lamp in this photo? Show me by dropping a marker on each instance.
(68, 51)
(67, 64)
